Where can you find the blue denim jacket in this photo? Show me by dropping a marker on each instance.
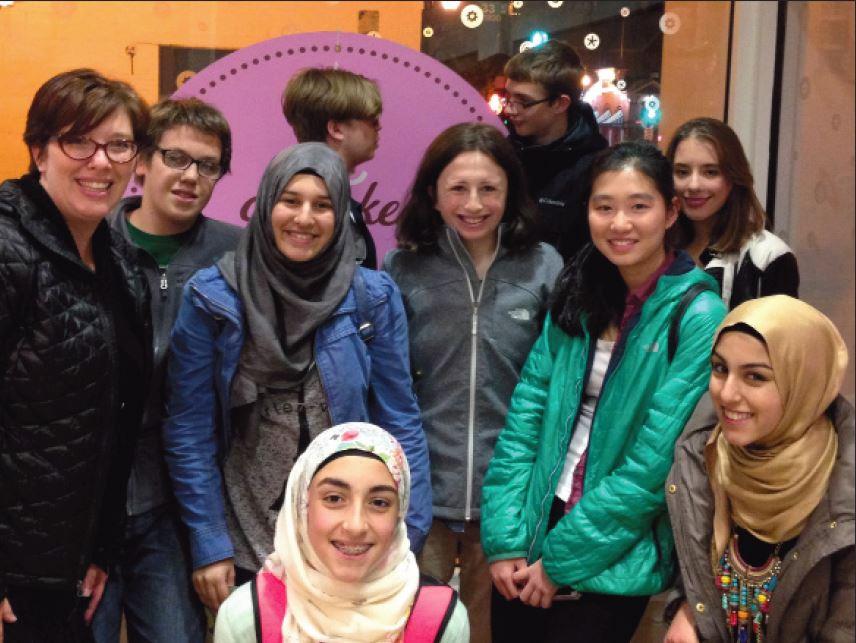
(362, 382)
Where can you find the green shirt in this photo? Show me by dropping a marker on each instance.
(162, 247)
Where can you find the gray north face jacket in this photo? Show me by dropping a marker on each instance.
(468, 342)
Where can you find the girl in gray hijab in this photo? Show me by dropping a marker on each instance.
(285, 299)
(267, 352)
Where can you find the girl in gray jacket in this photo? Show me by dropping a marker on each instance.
(475, 285)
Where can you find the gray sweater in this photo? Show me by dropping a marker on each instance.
(468, 343)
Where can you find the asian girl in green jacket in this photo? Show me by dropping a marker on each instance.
(574, 520)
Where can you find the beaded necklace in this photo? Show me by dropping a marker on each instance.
(746, 592)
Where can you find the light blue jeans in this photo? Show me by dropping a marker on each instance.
(151, 584)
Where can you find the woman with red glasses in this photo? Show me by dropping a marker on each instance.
(73, 357)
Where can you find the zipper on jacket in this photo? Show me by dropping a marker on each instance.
(148, 265)
(107, 444)
(471, 419)
(549, 486)
(613, 364)
(561, 460)
(472, 408)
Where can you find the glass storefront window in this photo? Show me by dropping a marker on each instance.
(641, 59)
(650, 65)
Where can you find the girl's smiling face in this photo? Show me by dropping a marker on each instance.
(85, 191)
(743, 389)
(352, 516)
(628, 219)
(701, 186)
(470, 196)
(303, 219)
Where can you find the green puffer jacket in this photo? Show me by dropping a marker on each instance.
(617, 539)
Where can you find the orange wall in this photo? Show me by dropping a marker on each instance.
(694, 68)
(40, 39)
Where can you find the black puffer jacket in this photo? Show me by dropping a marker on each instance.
(74, 350)
(557, 174)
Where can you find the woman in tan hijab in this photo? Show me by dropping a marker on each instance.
(762, 504)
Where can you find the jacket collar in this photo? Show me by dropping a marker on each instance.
(118, 220)
(841, 482)
(679, 267)
(682, 264)
(40, 217)
(451, 246)
(582, 136)
(635, 298)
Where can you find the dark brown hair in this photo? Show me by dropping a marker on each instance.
(590, 290)
(78, 101)
(419, 224)
(315, 96)
(192, 112)
(742, 215)
(555, 65)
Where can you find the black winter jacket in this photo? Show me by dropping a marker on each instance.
(556, 174)
(71, 392)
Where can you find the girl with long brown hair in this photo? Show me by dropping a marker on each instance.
(721, 222)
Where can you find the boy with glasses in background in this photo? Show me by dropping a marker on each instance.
(556, 137)
(189, 148)
(342, 109)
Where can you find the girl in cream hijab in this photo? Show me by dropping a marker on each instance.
(341, 551)
(762, 505)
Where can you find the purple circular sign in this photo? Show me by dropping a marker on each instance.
(421, 97)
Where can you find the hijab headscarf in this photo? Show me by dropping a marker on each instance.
(320, 607)
(285, 301)
(772, 486)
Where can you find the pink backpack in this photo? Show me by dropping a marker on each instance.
(431, 610)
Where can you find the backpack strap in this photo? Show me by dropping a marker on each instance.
(431, 612)
(364, 327)
(270, 600)
(675, 326)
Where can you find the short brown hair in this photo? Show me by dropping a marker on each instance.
(419, 223)
(742, 216)
(554, 65)
(80, 100)
(192, 112)
(315, 96)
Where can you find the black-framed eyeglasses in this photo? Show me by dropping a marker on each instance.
(519, 105)
(180, 160)
(82, 148)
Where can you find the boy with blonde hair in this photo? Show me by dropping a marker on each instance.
(342, 109)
